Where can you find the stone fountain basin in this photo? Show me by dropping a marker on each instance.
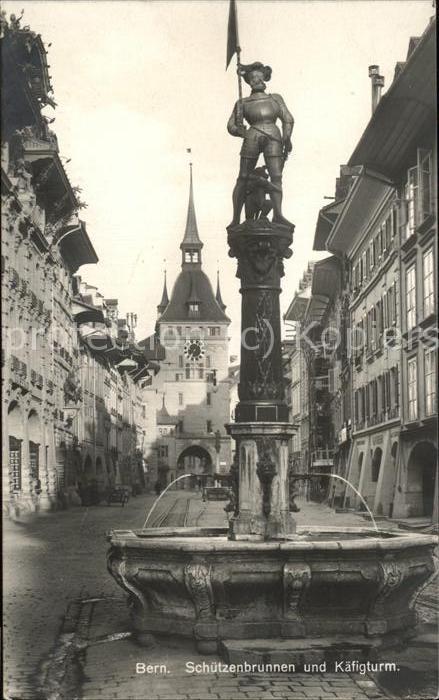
(352, 587)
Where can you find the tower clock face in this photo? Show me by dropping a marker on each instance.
(194, 350)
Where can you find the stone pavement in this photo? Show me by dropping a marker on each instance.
(67, 630)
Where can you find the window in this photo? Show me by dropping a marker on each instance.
(214, 330)
(180, 399)
(372, 255)
(366, 402)
(194, 310)
(428, 282)
(295, 400)
(191, 256)
(387, 233)
(357, 276)
(180, 360)
(208, 362)
(209, 398)
(412, 367)
(394, 386)
(410, 277)
(374, 397)
(365, 271)
(418, 193)
(163, 451)
(430, 381)
(188, 372)
(209, 426)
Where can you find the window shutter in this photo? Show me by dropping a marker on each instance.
(424, 185)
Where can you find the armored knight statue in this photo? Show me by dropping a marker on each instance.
(261, 111)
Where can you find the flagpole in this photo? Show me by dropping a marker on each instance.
(240, 116)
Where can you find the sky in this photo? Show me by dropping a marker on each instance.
(137, 83)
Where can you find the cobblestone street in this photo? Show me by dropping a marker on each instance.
(67, 631)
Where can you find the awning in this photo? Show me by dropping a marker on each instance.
(326, 277)
(368, 192)
(296, 309)
(84, 313)
(76, 247)
(325, 221)
(316, 308)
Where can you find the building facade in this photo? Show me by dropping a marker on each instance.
(71, 412)
(383, 228)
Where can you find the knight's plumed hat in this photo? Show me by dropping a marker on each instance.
(245, 70)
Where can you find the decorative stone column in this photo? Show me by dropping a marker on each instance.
(261, 429)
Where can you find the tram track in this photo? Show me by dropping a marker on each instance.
(175, 515)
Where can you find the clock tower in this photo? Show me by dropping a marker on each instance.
(192, 326)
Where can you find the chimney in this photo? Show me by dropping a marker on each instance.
(377, 84)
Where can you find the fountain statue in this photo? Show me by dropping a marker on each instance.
(263, 583)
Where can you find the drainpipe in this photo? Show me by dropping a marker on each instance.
(377, 85)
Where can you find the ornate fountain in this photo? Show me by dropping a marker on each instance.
(263, 583)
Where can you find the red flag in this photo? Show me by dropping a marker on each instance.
(232, 33)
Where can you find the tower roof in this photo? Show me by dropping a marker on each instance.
(192, 285)
(165, 299)
(190, 282)
(218, 296)
(191, 239)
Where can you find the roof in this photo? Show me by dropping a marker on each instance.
(403, 112)
(192, 282)
(165, 299)
(191, 238)
(218, 296)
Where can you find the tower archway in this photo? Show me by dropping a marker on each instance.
(195, 460)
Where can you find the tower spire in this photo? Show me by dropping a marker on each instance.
(191, 244)
(218, 296)
(165, 299)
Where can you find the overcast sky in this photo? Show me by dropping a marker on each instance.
(136, 83)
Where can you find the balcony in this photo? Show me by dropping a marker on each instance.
(19, 373)
(36, 379)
